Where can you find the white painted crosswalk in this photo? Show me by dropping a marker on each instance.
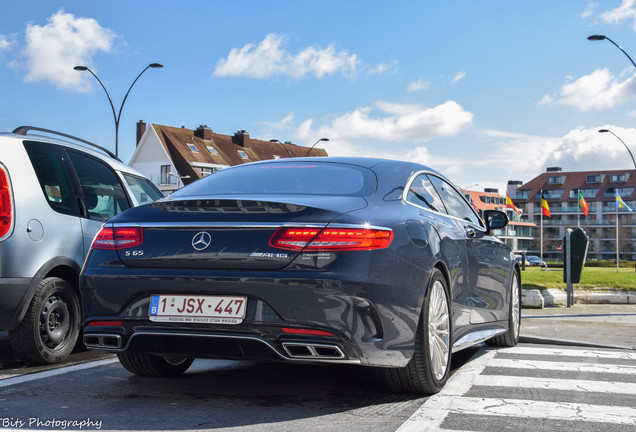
(522, 387)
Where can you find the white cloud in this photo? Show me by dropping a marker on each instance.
(523, 157)
(587, 149)
(546, 99)
(284, 123)
(418, 85)
(625, 11)
(458, 77)
(389, 122)
(589, 10)
(5, 43)
(383, 68)
(596, 91)
(52, 50)
(269, 59)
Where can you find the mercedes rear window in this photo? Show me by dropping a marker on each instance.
(304, 178)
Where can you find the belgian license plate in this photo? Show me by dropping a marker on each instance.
(197, 309)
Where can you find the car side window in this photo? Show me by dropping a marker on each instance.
(455, 204)
(144, 192)
(104, 196)
(53, 176)
(423, 194)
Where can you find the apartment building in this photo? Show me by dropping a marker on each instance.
(561, 191)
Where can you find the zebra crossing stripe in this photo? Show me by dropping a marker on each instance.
(555, 384)
(430, 416)
(534, 409)
(523, 350)
(563, 366)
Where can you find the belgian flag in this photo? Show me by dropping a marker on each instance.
(545, 209)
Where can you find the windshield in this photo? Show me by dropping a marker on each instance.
(305, 178)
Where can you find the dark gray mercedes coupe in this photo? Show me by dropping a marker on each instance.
(323, 260)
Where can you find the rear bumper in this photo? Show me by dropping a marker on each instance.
(264, 343)
(371, 323)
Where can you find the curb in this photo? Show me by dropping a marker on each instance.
(540, 298)
(567, 342)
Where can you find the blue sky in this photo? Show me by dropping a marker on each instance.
(483, 91)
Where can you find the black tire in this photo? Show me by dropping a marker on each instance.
(153, 365)
(48, 332)
(511, 337)
(423, 374)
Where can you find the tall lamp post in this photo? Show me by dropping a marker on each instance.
(284, 146)
(634, 161)
(618, 138)
(312, 147)
(117, 117)
(603, 37)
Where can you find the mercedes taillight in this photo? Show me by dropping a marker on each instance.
(6, 204)
(118, 238)
(331, 239)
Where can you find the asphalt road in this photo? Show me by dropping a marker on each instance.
(213, 394)
(525, 388)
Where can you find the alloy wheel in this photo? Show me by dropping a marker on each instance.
(438, 330)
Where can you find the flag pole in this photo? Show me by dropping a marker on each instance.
(541, 229)
(617, 244)
(578, 208)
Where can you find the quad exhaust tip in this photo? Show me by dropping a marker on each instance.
(313, 351)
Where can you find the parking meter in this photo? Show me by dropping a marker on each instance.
(574, 252)
(577, 248)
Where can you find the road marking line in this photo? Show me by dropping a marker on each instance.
(555, 384)
(563, 366)
(431, 415)
(39, 375)
(569, 352)
(522, 408)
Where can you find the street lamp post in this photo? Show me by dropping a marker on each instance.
(634, 161)
(618, 138)
(284, 146)
(603, 37)
(312, 147)
(117, 117)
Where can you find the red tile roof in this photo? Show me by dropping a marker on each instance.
(176, 141)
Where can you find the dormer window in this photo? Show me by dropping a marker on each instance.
(556, 179)
(616, 178)
(193, 148)
(593, 178)
(242, 154)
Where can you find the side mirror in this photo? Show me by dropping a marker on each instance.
(495, 220)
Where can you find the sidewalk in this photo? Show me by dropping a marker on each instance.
(593, 325)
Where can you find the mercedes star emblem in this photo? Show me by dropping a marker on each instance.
(201, 240)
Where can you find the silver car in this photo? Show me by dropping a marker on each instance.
(54, 197)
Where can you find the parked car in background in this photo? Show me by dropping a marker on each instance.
(535, 260)
(331, 260)
(54, 197)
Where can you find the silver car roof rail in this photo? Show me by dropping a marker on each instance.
(22, 130)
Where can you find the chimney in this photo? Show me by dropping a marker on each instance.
(203, 132)
(141, 128)
(241, 137)
(553, 169)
